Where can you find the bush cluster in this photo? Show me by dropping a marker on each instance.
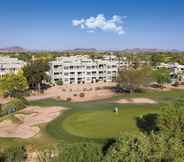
(82, 95)
(59, 82)
(13, 106)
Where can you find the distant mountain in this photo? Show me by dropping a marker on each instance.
(85, 49)
(148, 50)
(81, 50)
(13, 49)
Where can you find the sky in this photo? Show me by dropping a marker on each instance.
(100, 24)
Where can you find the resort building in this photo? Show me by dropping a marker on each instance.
(83, 69)
(8, 64)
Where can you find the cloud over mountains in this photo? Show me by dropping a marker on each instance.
(91, 24)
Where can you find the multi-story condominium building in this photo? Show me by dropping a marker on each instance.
(83, 69)
(8, 64)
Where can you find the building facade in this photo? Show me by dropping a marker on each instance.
(83, 69)
(8, 65)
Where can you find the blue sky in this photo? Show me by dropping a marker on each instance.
(47, 24)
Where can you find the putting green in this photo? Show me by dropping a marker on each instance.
(103, 123)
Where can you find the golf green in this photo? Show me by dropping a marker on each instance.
(102, 123)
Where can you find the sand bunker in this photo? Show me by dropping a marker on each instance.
(137, 101)
(25, 123)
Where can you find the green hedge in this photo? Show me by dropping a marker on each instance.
(12, 106)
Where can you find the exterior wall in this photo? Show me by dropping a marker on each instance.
(8, 65)
(82, 69)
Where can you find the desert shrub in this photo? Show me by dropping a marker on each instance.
(80, 152)
(74, 94)
(182, 83)
(106, 87)
(68, 99)
(59, 82)
(23, 99)
(12, 106)
(58, 97)
(97, 88)
(81, 94)
(5, 94)
(17, 94)
(139, 90)
(176, 84)
(16, 154)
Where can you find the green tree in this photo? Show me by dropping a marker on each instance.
(134, 79)
(129, 148)
(171, 119)
(35, 72)
(165, 148)
(157, 58)
(161, 76)
(13, 83)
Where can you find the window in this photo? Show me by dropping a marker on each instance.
(66, 67)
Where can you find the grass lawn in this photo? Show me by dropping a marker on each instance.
(104, 123)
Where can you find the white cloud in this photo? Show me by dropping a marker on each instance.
(115, 24)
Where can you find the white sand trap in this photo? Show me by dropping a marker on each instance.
(28, 121)
(137, 101)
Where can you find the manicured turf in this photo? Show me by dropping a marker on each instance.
(103, 123)
(96, 120)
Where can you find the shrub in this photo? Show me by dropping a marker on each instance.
(81, 94)
(81, 152)
(139, 90)
(12, 106)
(58, 97)
(59, 82)
(23, 99)
(15, 153)
(176, 84)
(68, 99)
(5, 94)
(97, 88)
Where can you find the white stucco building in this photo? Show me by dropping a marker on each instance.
(8, 64)
(83, 69)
